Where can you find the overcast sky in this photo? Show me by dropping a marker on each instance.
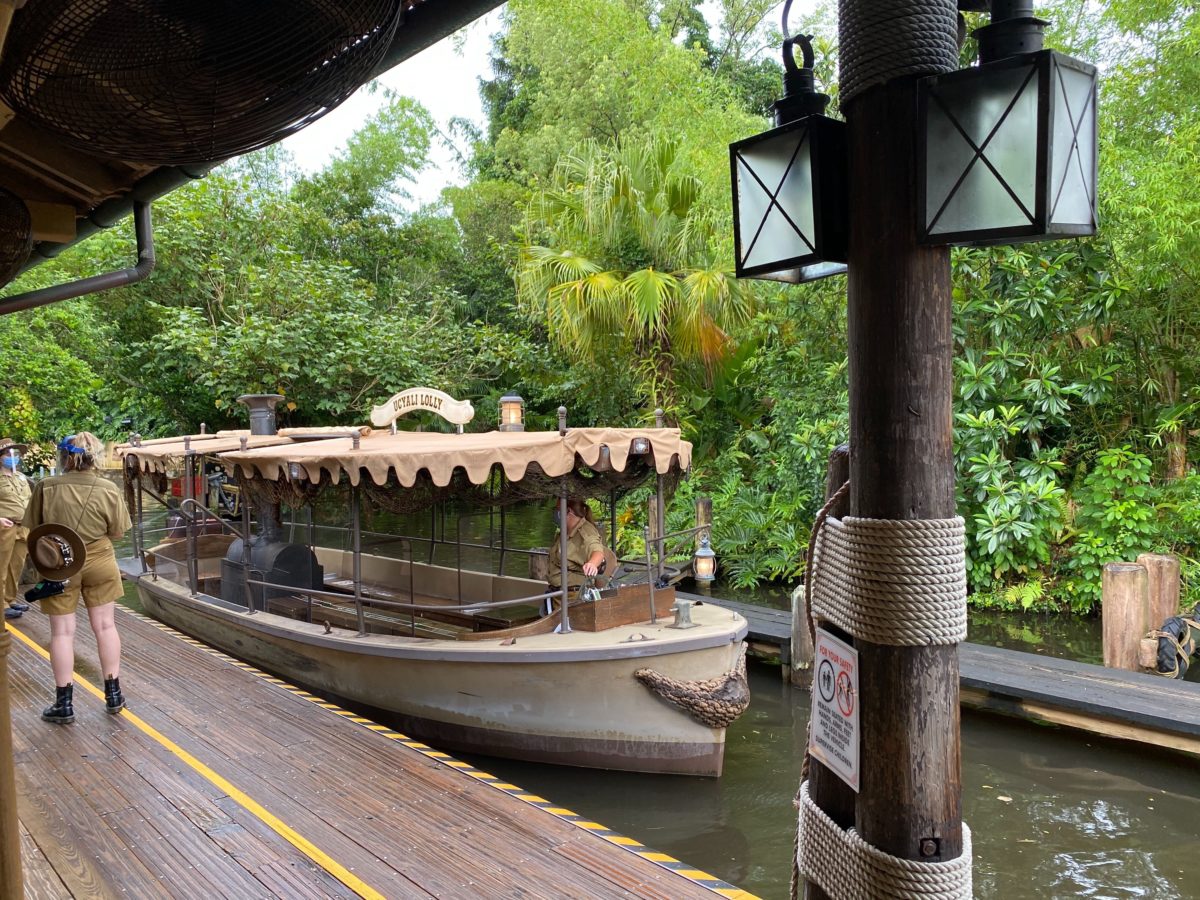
(444, 78)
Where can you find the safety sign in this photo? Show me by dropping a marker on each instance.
(834, 732)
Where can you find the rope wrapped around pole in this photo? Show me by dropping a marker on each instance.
(885, 39)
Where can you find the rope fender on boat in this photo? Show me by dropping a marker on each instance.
(716, 702)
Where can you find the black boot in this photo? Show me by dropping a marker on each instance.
(114, 700)
(62, 712)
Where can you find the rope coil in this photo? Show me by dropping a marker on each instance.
(884, 39)
(892, 581)
(846, 866)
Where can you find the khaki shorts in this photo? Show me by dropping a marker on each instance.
(99, 582)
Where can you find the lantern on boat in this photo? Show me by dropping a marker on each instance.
(704, 562)
(512, 413)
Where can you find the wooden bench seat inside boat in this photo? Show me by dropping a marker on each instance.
(169, 559)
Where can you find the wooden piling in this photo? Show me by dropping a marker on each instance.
(1162, 571)
(800, 669)
(1125, 612)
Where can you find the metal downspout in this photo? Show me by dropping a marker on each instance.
(94, 283)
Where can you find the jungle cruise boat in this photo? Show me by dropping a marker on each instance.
(620, 676)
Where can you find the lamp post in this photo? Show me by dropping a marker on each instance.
(512, 413)
(789, 183)
(1009, 148)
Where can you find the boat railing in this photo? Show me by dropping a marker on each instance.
(481, 606)
(193, 565)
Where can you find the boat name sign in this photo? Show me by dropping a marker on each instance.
(834, 735)
(456, 412)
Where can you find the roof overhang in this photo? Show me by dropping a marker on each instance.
(72, 195)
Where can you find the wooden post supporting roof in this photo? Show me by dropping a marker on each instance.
(901, 457)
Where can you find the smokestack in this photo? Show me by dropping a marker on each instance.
(262, 421)
(262, 411)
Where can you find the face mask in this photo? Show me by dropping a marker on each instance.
(11, 461)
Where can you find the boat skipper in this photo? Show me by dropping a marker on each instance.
(14, 497)
(94, 515)
(585, 550)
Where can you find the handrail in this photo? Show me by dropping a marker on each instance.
(209, 516)
(423, 607)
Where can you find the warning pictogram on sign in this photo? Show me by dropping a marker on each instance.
(834, 733)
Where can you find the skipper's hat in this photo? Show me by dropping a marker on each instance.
(56, 550)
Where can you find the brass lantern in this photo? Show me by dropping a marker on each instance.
(704, 562)
(512, 413)
(789, 184)
(1009, 148)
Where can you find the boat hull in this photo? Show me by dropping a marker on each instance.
(566, 699)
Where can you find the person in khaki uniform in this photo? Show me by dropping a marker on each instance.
(14, 497)
(93, 507)
(585, 549)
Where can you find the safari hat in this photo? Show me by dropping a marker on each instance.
(7, 444)
(56, 550)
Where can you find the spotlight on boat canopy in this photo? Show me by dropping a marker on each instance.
(512, 413)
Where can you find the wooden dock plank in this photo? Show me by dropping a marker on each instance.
(40, 878)
(406, 824)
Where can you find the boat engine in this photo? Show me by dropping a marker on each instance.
(278, 562)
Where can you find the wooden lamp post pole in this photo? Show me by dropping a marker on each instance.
(901, 467)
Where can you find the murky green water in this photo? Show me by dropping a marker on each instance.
(1054, 814)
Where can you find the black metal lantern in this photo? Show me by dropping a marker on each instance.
(789, 184)
(1009, 148)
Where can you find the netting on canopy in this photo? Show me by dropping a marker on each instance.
(154, 81)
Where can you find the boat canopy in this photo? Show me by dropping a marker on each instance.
(161, 454)
(403, 456)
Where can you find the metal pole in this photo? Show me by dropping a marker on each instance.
(140, 531)
(189, 475)
(612, 523)
(243, 485)
(660, 516)
(649, 578)
(356, 545)
(503, 539)
(564, 625)
(11, 877)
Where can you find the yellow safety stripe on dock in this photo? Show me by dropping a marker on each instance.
(696, 876)
(301, 843)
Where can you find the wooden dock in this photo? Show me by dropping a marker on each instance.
(1109, 702)
(221, 781)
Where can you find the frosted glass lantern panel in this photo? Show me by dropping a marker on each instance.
(775, 200)
(981, 152)
(1073, 149)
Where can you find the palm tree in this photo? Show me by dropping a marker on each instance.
(617, 257)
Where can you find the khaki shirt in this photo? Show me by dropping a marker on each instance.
(84, 501)
(14, 495)
(581, 544)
